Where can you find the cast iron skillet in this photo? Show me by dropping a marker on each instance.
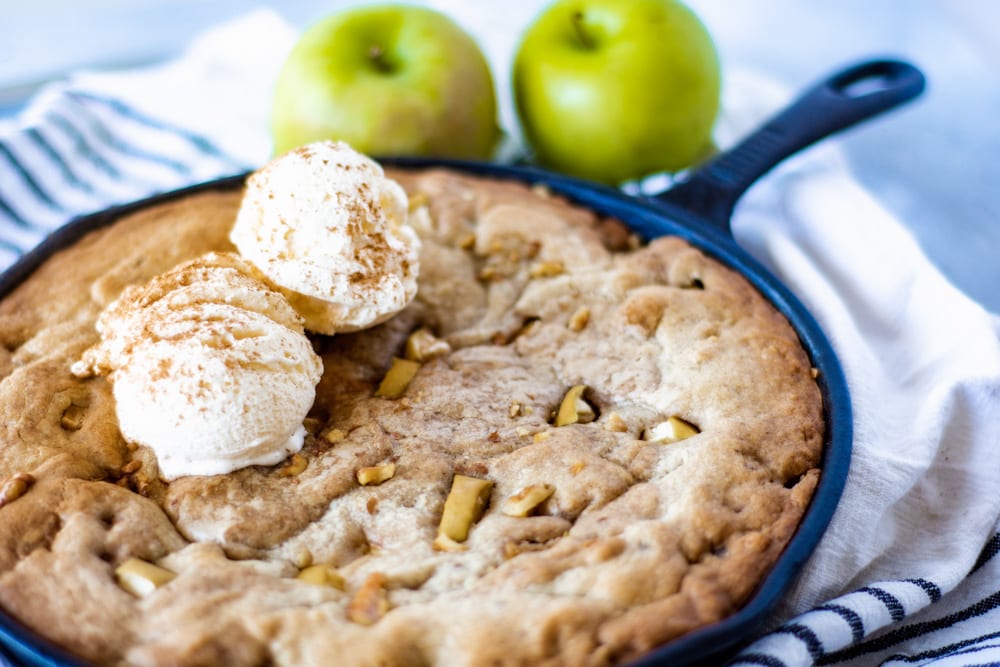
(698, 209)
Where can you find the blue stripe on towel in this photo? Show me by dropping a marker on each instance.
(82, 146)
(7, 246)
(807, 636)
(851, 617)
(97, 128)
(201, 143)
(14, 216)
(933, 590)
(990, 550)
(964, 647)
(914, 630)
(29, 179)
(60, 163)
(891, 602)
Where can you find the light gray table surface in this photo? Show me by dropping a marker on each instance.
(934, 164)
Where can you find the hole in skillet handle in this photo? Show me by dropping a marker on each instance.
(842, 99)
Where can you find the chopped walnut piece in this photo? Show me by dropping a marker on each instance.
(398, 378)
(296, 464)
(541, 436)
(72, 417)
(674, 429)
(574, 409)
(527, 499)
(140, 483)
(140, 578)
(312, 425)
(578, 321)
(514, 409)
(546, 269)
(334, 435)
(464, 506)
(322, 575)
(370, 602)
(615, 423)
(303, 558)
(467, 242)
(814, 372)
(375, 475)
(15, 487)
(423, 346)
(131, 466)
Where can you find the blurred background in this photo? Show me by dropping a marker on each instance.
(933, 164)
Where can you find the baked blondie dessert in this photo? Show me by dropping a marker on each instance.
(568, 449)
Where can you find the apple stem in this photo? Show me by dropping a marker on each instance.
(377, 55)
(580, 32)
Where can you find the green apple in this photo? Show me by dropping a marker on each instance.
(612, 90)
(388, 80)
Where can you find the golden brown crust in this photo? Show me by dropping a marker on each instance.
(639, 542)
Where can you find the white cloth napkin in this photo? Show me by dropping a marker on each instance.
(907, 571)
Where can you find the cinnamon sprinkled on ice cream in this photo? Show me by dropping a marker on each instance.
(210, 362)
(326, 226)
(210, 366)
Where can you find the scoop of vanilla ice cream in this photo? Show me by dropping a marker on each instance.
(326, 226)
(210, 368)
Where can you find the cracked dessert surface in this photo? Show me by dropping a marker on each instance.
(627, 539)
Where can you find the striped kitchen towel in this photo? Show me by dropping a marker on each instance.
(899, 622)
(79, 152)
(103, 138)
(908, 571)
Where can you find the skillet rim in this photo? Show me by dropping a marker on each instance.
(648, 217)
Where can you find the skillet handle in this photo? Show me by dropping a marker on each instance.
(844, 98)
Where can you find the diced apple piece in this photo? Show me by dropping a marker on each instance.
(423, 346)
(322, 575)
(398, 378)
(574, 409)
(140, 578)
(464, 506)
(375, 475)
(527, 499)
(674, 429)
